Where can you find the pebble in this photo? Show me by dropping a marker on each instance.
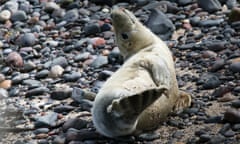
(47, 120)
(41, 131)
(56, 71)
(209, 81)
(29, 66)
(63, 109)
(72, 77)
(5, 15)
(217, 65)
(11, 5)
(160, 24)
(91, 29)
(2, 77)
(75, 123)
(235, 67)
(61, 93)
(62, 61)
(27, 39)
(236, 104)
(6, 84)
(99, 61)
(14, 59)
(19, 16)
(50, 7)
(3, 93)
(37, 91)
(232, 115)
(148, 136)
(210, 5)
(97, 41)
(234, 15)
(79, 95)
(71, 15)
(82, 56)
(42, 74)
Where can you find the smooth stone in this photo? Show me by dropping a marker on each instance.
(149, 136)
(106, 27)
(104, 75)
(114, 57)
(216, 45)
(232, 116)
(19, 16)
(51, 43)
(234, 15)
(56, 71)
(217, 65)
(42, 74)
(5, 15)
(236, 104)
(210, 5)
(14, 59)
(61, 93)
(32, 83)
(236, 127)
(221, 91)
(82, 56)
(62, 61)
(29, 66)
(50, 7)
(41, 130)
(2, 77)
(80, 135)
(92, 29)
(3, 93)
(214, 119)
(79, 95)
(48, 120)
(75, 123)
(184, 2)
(99, 61)
(71, 15)
(209, 81)
(63, 109)
(11, 5)
(217, 139)
(160, 24)
(27, 39)
(59, 139)
(229, 133)
(204, 138)
(210, 23)
(6, 84)
(37, 91)
(235, 67)
(72, 77)
(225, 128)
(19, 78)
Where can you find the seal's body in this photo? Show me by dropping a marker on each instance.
(144, 90)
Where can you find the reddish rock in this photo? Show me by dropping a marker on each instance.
(14, 59)
(6, 84)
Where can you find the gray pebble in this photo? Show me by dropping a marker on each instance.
(19, 16)
(75, 123)
(73, 77)
(27, 39)
(62, 61)
(48, 120)
(99, 61)
(71, 15)
(42, 74)
(235, 67)
(37, 91)
(3, 93)
(41, 131)
(61, 94)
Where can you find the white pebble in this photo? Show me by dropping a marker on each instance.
(5, 15)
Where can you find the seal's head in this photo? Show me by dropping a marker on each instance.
(131, 35)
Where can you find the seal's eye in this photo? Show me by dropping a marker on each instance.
(124, 36)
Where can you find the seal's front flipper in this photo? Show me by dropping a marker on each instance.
(128, 108)
(183, 101)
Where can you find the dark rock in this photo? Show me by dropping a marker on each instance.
(160, 24)
(216, 45)
(48, 120)
(75, 123)
(236, 127)
(19, 78)
(104, 75)
(217, 139)
(106, 27)
(210, 5)
(204, 138)
(209, 81)
(42, 74)
(74, 76)
(210, 23)
(27, 39)
(236, 104)
(229, 133)
(91, 29)
(232, 116)
(184, 2)
(80, 135)
(40, 131)
(235, 67)
(217, 65)
(234, 15)
(71, 15)
(225, 128)
(63, 109)
(115, 57)
(214, 119)
(37, 91)
(59, 139)
(28, 66)
(221, 91)
(61, 93)
(19, 16)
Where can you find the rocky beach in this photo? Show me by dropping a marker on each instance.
(56, 54)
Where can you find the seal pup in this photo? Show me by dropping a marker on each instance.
(140, 94)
